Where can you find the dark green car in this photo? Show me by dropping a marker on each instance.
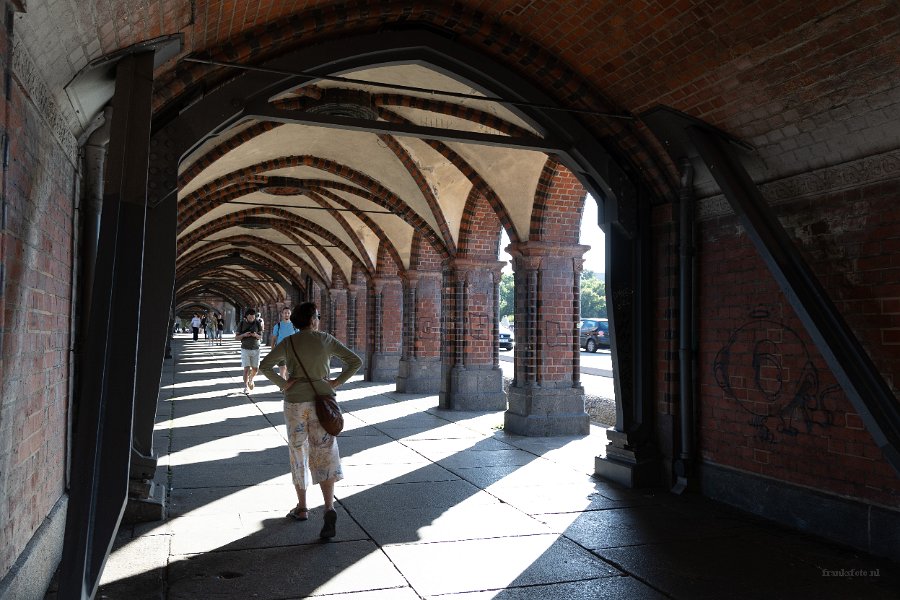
(593, 333)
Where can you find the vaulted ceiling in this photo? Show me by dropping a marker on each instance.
(340, 167)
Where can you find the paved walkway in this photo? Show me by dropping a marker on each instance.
(435, 504)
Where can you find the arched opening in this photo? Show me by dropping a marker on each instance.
(310, 188)
(206, 138)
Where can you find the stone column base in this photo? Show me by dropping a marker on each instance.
(419, 376)
(627, 465)
(473, 388)
(146, 502)
(361, 353)
(385, 367)
(542, 412)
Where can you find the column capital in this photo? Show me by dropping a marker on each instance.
(537, 248)
(413, 275)
(532, 255)
(379, 282)
(464, 264)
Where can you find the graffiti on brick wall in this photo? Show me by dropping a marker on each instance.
(480, 326)
(558, 335)
(428, 330)
(765, 367)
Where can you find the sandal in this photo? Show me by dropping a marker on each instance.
(299, 513)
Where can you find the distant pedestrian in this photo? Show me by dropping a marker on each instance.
(211, 327)
(282, 329)
(249, 332)
(195, 326)
(220, 328)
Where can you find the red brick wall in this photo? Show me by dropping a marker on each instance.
(389, 287)
(339, 314)
(479, 232)
(786, 417)
(357, 309)
(558, 203)
(424, 256)
(665, 313)
(37, 264)
(427, 265)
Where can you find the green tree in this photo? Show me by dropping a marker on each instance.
(507, 295)
(593, 295)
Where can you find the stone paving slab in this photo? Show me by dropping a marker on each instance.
(254, 530)
(538, 472)
(222, 474)
(467, 521)
(593, 589)
(225, 500)
(369, 450)
(639, 525)
(191, 439)
(560, 498)
(139, 570)
(448, 430)
(359, 474)
(470, 459)
(306, 570)
(440, 495)
(495, 563)
(435, 450)
(200, 448)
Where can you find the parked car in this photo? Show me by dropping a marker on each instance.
(505, 337)
(593, 334)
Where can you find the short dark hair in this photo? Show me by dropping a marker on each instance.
(250, 311)
(302, 314)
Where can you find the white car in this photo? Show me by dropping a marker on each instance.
(505, 337)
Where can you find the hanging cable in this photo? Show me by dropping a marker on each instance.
(406, 88)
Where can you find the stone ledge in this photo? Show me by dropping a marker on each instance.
(871, 528)
(33, 571)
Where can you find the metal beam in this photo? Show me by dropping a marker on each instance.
(102, 437)
(842, 351)
(156, 302)
(263, 111)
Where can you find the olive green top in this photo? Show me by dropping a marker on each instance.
(315, 349)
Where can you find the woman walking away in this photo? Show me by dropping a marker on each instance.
(314, 454)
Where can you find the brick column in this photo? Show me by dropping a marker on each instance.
(386, 327)
(337, 313)
(472, 379)
(420, 362)
(357, 323)
(546, 397)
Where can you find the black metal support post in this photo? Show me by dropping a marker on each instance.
(686, 379)
(102, 444)
(145, 502)
(632, 458)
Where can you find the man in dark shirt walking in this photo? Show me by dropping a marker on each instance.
(249, 332)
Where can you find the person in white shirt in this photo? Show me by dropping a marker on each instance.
(195, 326)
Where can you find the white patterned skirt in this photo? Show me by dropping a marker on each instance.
(314, 452)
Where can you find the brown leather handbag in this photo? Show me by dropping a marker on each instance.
(327, 408)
